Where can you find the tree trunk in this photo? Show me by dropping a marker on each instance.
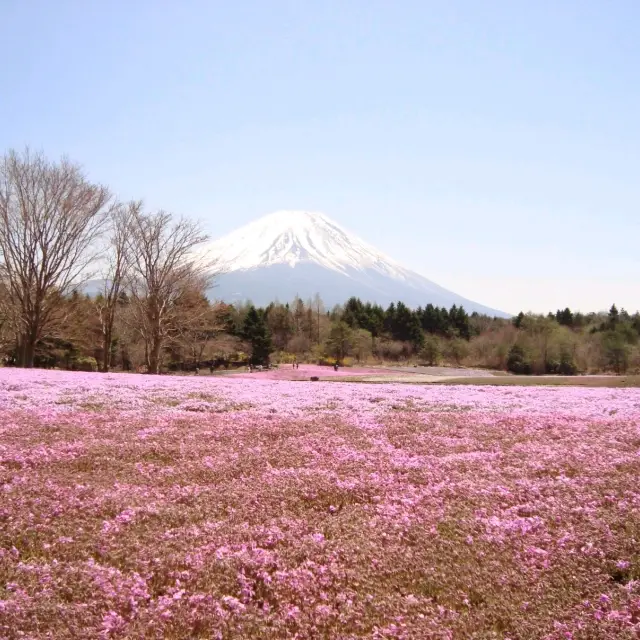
(106, 350)
(27, 349)
(30, 353)
(154, 354)
(21, 352)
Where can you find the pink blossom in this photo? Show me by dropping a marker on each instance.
(253, 506)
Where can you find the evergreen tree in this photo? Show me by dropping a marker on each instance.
(579, 320)
(517, 361)
(390, 318)
(565, 317)
(459, 321)
(430, 319)
(444, 323)
(280, 324)
(255, 332)
(406, 326)
(374, 315)
(354, 314)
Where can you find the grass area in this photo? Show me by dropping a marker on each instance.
(500, 381)
(547, 381)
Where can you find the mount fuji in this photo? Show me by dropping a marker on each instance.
(289, 253)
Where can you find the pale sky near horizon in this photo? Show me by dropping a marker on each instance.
(494, 147)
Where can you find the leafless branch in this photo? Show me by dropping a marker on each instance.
(164, 271)
(50, 220)
(116, 271)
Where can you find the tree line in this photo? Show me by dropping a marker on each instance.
(212, 334)
(151, 312)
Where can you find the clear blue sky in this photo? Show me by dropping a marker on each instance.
(492, 146)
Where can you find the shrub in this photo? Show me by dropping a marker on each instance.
(285, 357)
(616, 351)
(457, 350)
(362, 345)
(552, 366)
(567, 365)
(327, 361)
(517, 361)
(340, 340)
(83, 363)
(430, 354)
(393, 349)
(492, 349)
(298, 345)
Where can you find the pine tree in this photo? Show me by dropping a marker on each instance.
(460, 321)
(614, 316)
(565, 317)
(390, 318)
(353, 313)
(430, 319)
(374, 315)
(518, 320)
(255, 332)
(406, 326)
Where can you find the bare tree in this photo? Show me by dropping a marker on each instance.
(318, 307)
(115, 274)
(197, 326)
(7, 318)
(164, 271)
(50, 219)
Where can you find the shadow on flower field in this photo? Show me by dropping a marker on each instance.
(224, 507)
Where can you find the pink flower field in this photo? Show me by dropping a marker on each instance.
(222, 507)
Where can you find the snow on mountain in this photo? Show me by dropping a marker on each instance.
(289, 253)
(291, 237)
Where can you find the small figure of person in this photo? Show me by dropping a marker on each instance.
(335, 366)
(197, 370)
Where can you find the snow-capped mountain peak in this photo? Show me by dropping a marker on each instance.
(302, 253)
(293, 237)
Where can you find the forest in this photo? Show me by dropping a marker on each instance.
(153, 310)
(214, 335)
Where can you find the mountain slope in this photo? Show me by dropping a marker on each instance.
(290, 253)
